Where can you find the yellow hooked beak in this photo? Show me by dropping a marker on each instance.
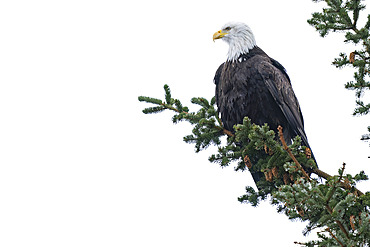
(218, 35)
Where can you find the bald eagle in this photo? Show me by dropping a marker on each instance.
(250, 83)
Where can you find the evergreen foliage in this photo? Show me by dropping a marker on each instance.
(330, 205)
(336, 207)
(343, 16)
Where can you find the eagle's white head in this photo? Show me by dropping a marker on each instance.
(239, 36)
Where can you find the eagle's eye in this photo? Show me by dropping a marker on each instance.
(227, 29)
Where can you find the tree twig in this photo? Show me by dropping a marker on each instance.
(330, 210)
(328, 230)
(326, 176)
(227, 132)
(281, 136)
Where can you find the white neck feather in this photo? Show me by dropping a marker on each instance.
(238, 48)
(240, 42)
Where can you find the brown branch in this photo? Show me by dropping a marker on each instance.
(338, 222)
(281, 136)
(317, 171)
(321, 173)
(326, 176)
(327, 229)
(300, 243)
(227, 132)
(330, 210)
(352, 222)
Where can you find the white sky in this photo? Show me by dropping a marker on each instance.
(82, 166)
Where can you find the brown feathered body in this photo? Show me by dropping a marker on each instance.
(258, 87)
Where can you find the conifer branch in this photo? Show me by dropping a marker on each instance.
(337, 18)
(339, 242)
(295, 242)
(227, 132)
(330, 210)
(256, 148)
(327, 176)
(281, 136)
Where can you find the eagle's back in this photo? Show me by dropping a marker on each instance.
(257, 86)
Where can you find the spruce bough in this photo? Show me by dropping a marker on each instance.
(334, 206)
(343, 16)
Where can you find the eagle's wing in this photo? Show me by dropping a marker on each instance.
(280, 88)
